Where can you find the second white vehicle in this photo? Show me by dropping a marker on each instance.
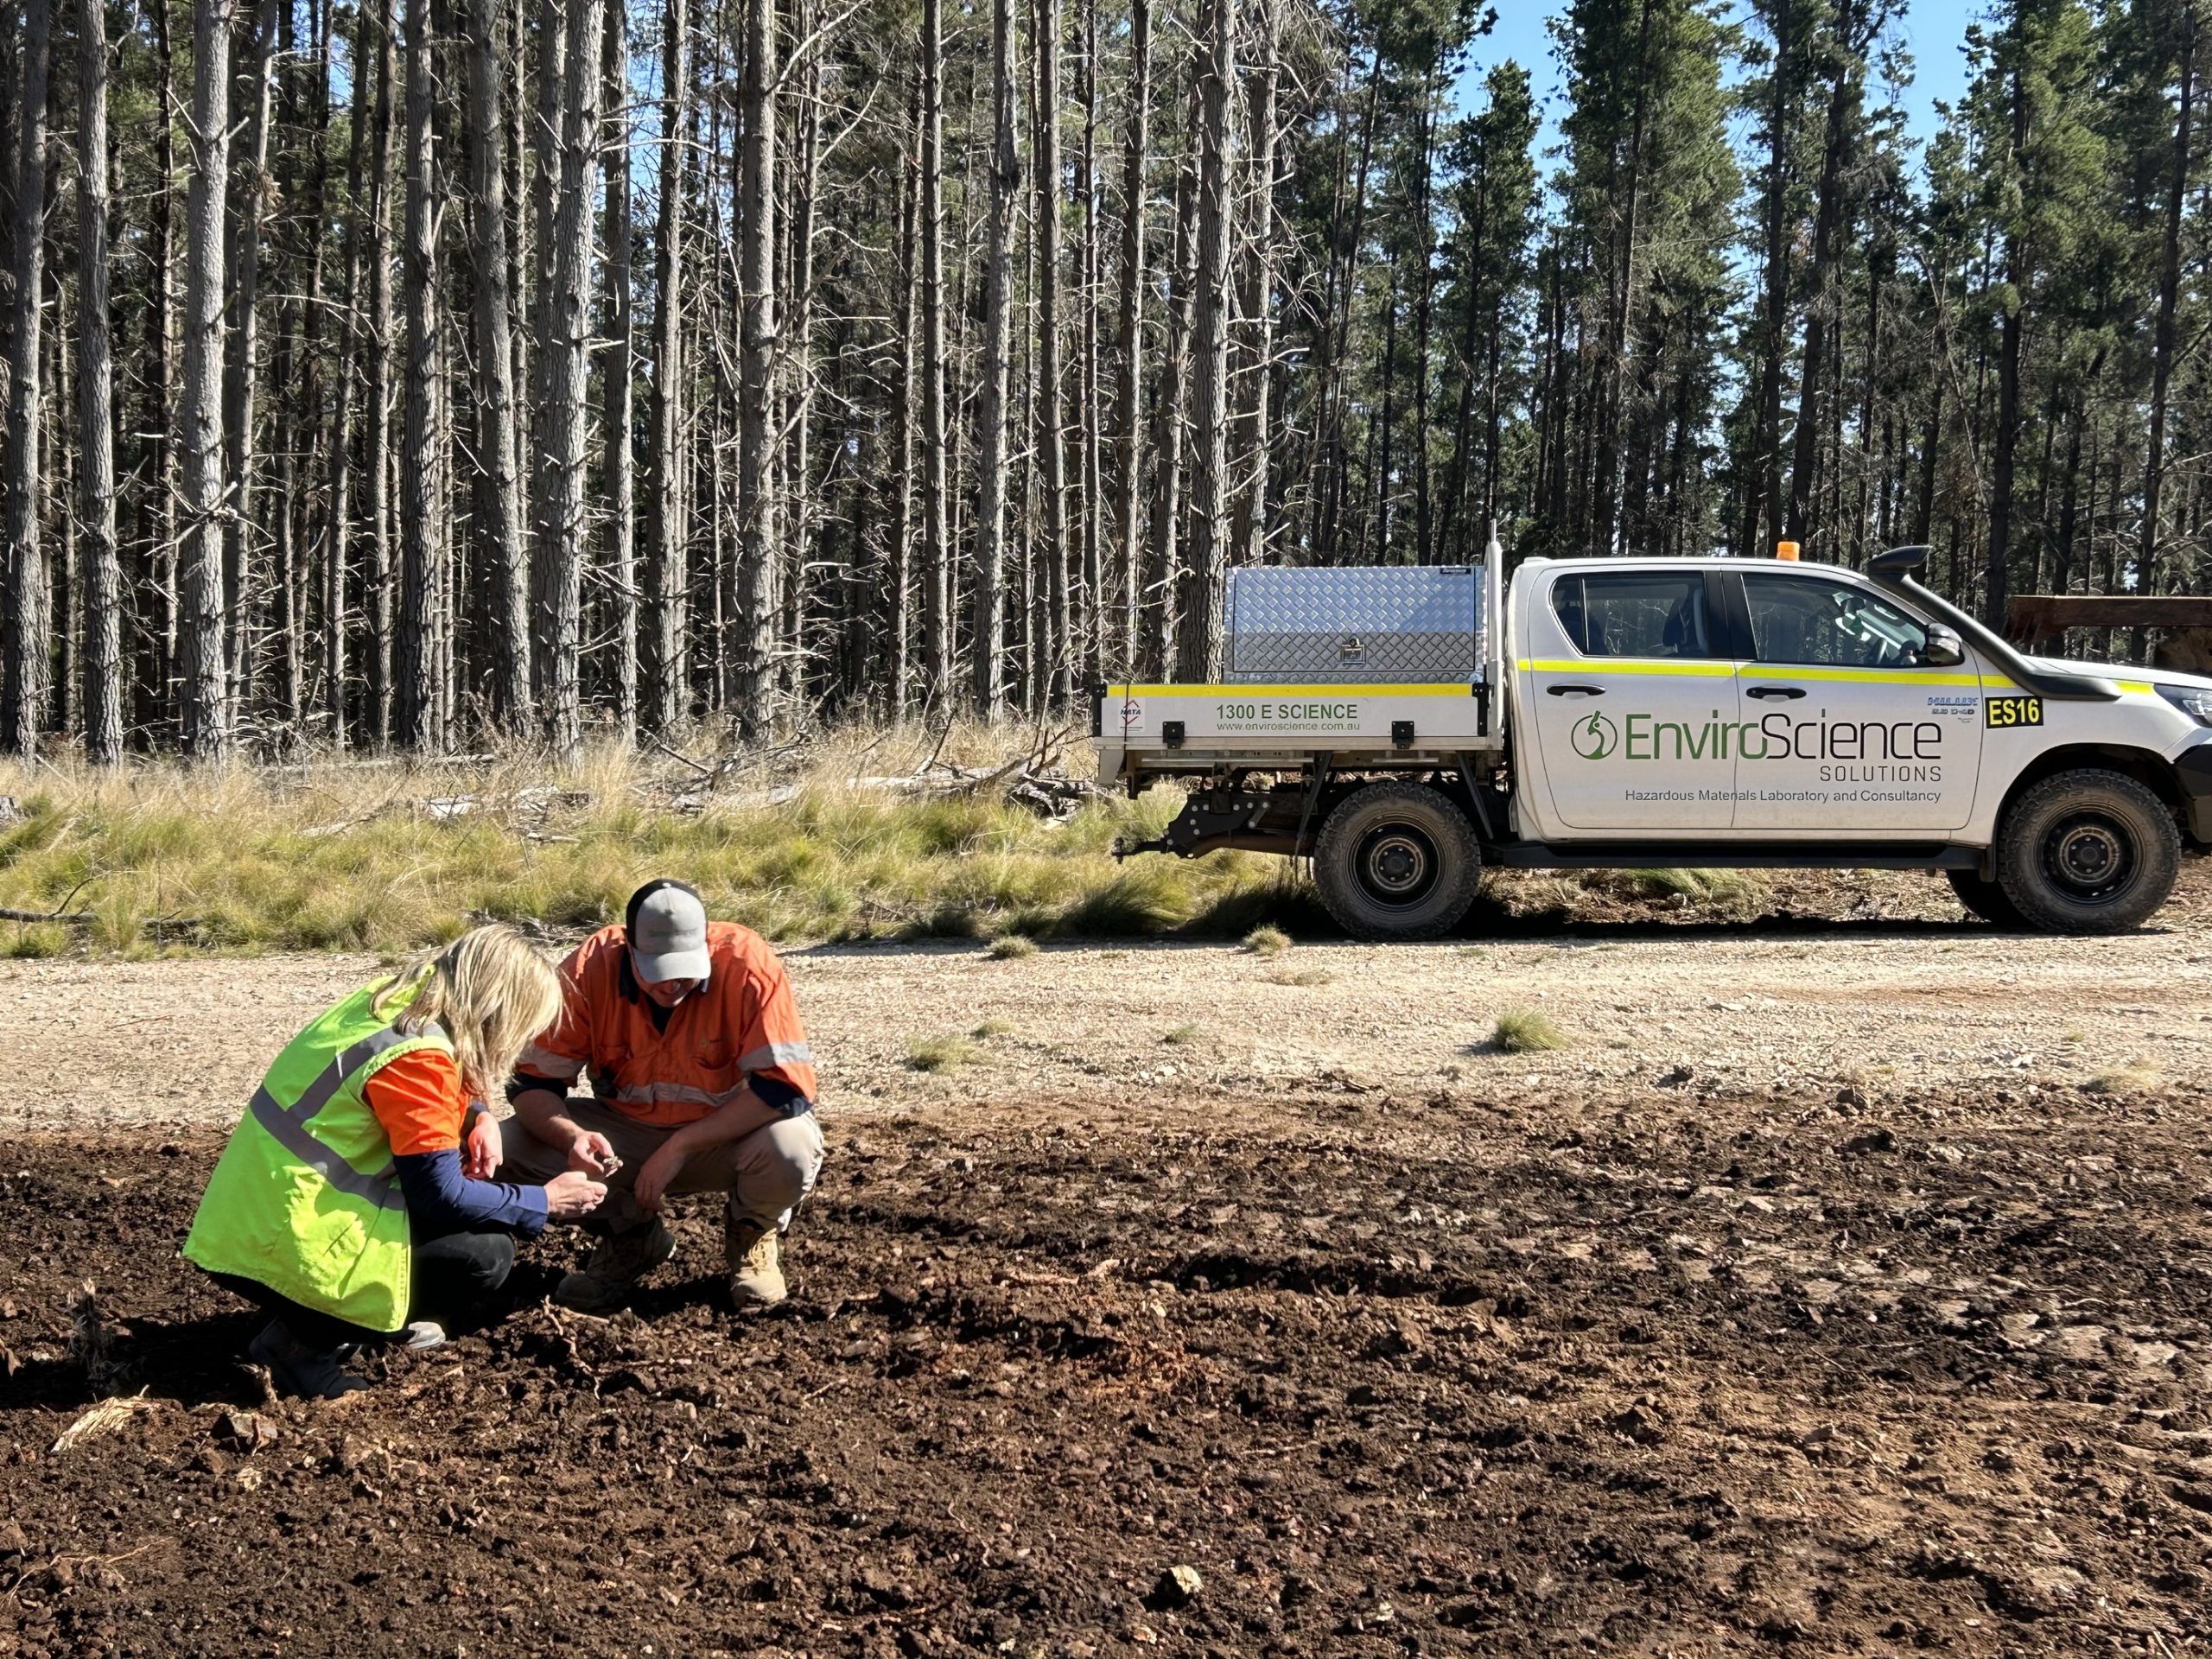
(1403, 727)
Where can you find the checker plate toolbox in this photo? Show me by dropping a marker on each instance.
(1400, 625)
(1396, 662)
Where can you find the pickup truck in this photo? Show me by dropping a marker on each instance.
(1404, 726)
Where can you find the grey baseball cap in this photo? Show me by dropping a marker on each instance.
(668, 936)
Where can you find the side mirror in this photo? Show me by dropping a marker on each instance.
(1944, 648)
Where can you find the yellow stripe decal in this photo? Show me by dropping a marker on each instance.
(1858, 676)
(2142, 686)
(1721, 671)
(1690, 669)
(1462, 688)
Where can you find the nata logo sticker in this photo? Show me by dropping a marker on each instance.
(1595, 737)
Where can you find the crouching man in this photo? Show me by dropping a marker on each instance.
(701, 1081)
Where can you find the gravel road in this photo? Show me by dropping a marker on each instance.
(1890, 1004)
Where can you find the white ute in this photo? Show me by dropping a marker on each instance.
(1677, 712)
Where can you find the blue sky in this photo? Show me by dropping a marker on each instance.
(1934, 30)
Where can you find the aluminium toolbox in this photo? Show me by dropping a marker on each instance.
(1407, 625)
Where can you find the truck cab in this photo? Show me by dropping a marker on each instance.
(1629, 712)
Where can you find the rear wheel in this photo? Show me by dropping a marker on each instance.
(1986, 899)
(2088, 852)
(1397, 861)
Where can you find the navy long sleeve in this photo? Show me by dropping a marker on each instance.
(440, 1199)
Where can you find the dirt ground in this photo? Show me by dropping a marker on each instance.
(1841, 1285)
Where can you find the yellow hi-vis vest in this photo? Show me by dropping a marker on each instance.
(305, 1198)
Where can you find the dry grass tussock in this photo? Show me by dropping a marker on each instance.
(861, 833)
(1523, 1031)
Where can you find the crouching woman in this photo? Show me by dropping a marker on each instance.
(354, 1202)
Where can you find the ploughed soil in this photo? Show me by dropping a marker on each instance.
(1652, 1365)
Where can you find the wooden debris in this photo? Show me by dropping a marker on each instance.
(105, 1418)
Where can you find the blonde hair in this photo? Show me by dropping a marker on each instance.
(489, 991)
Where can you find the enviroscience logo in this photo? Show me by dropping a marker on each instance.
(1596, 737)
(1846, 751)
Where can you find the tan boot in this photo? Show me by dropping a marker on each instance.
(755, 1260)
(615, 1266)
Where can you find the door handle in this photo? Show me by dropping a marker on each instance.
(1575, 690)
(1785, 692)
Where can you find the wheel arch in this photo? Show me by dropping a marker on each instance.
(2146, 767)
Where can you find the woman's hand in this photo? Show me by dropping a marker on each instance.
(572, 1196)
(480, 1147)
(655, 1174)
(592, 1154)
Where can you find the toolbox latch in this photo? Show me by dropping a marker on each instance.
(1171, 733)
(1402, 734)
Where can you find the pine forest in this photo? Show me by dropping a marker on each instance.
(429, 373)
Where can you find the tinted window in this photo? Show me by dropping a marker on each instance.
(1647, 613)
(1803, 619)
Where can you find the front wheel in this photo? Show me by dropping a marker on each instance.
(1397, 861)
(2088, 852)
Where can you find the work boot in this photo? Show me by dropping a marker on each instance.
(755, 1260)
(615, 1266)
(417, 1336)
(298, 1371)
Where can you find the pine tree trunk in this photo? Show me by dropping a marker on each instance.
(1996, 567)
(994, 470)
(1247, 531)
(103, 657)
(937, 529)
(376, 448)
(2162, 356)
(421, 512)
(250, 193)
(153, 516)
(1163, 547)
(561, 529)
(29, 642)
(204, 721)
(1198, 643)
(801, 515)
(1764, 477)
(11, 157)
(501, 533)
(760, 540)
(617, 383)
(1051, 442)
(1091, 599)
(665, 578)
(900, 621)
(311, 525)
(1128, 474)
(1828, 235)
(546, 150)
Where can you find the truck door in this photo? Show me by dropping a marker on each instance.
(1845, 732)
(1635, 700)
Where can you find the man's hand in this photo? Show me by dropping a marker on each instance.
(479, 1150)
(592, 1154)
(657, 1174)
(571, 1196)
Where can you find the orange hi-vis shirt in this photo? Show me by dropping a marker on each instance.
(419, 1100)
(741, 1024)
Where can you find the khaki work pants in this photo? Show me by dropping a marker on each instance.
(766, 1170)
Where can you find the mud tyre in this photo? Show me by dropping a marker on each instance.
(1397, 861)
(1986, 899)
(2088, 852)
